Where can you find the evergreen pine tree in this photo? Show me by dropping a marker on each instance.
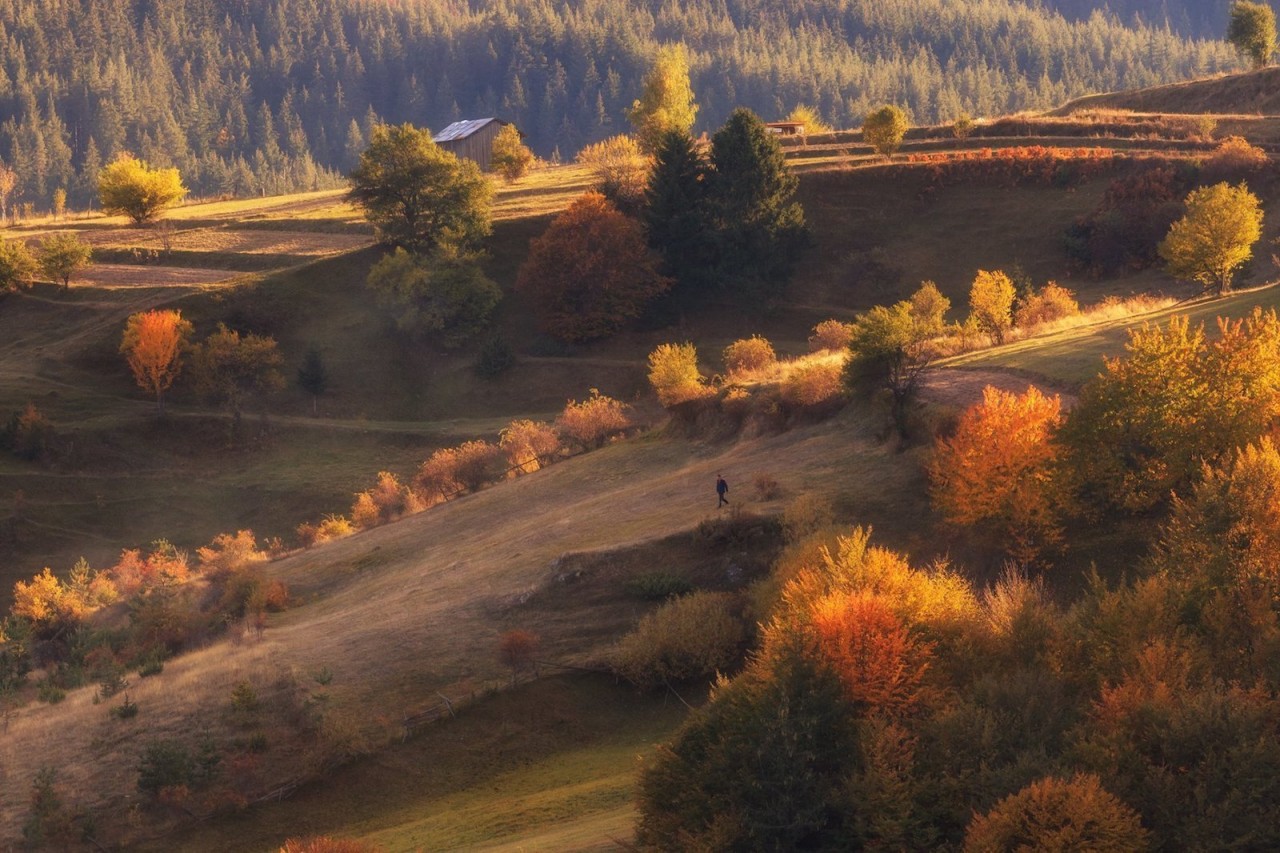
(677, 215)
(752, 192)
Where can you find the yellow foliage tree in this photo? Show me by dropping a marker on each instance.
(1215, 238)
(810, 118)
(131, 187)
(991, 303)
(883, 129)
(511, 157)
(997, 469)
(153, 344)
(666, 98)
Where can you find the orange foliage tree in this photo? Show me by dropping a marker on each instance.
(529, 445)
(997, 469)
(152, 345)
(590, 272)
(870, 650)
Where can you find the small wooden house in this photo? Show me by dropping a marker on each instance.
(786, 128)
(472, 139)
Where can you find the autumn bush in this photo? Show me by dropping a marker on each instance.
(1176, 400)
(805, 515)
(1126, 228)
(1058, 814)
(748, 355)
(812, 385)
(830, 336)
(693, 636)
(1046, 305)
(29, 434)
(453, 470)
(230, 552)
(1234, 159)
(518, 650)
(529, 445)
(674, 374)
(592, 422)
(1033, 165)
(590, 272)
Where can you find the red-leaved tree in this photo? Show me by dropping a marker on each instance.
(590, 272)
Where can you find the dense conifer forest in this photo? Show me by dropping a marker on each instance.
(265, 97)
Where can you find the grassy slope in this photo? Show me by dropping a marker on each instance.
(559, 754)
(1075, 355)
(414, 608)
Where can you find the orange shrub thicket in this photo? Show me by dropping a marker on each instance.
(749, 354)
(230, 553)
(594, 421)
(518, 649)
(330, 527)
(136, 573)
(452, 470)
(590, 272)
(529, 445)
(997, 468)
(831, 336)
(1021, 166)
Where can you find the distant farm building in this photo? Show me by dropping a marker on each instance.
(786, 128)
(472, 139)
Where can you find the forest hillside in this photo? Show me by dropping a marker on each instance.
(269, 97)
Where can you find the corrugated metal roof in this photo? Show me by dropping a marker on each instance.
(462, 129)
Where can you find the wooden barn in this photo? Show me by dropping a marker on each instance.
(472, 139)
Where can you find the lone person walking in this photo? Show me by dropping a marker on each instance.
(722, 489)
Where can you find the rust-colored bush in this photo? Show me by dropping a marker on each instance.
(1055, 814)
(518, 650)
(230, 553)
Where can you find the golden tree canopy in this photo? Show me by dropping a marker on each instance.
(1215, 238)
(153, 344)
(131, 187)
(666, 99)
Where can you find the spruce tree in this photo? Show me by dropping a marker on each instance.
(677, 215)
(752, 193)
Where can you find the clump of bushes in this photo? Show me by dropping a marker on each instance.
(694, 636)
(387, 501)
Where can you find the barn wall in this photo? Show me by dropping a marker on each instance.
(477, 147)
